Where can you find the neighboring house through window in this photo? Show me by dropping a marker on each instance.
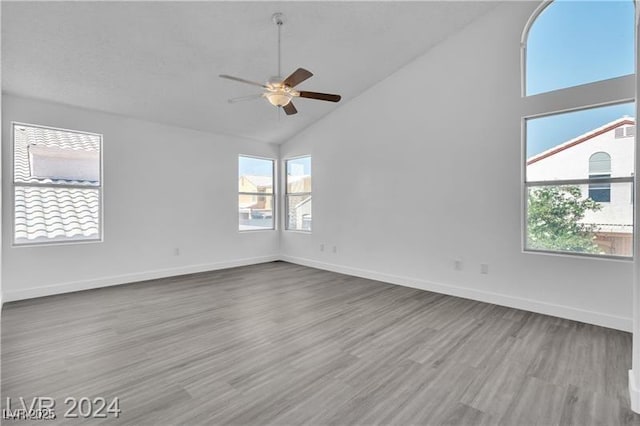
(57, 185)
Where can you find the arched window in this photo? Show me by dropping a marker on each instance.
(599, 170)
(578, 99)
(578, 42)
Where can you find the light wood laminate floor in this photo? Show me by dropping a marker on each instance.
(279, 343)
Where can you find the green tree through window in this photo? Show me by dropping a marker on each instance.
(554, 220)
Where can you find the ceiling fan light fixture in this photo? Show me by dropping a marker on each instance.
(278, 91)
(279, 99)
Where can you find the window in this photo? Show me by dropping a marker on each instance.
(57, 185)
(600, 170)
(578, 191)
(626, 132)
(255, 194)
(578, 42)
(298, 194)
(579, 145)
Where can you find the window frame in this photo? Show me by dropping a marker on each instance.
(596, 184)
(286, 194)
(274, 198)
(526, 184)
(609, 92)
(597, 179)
(14, 184)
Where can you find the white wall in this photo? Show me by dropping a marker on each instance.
(164, 188)
(422, 169)
(425, 168)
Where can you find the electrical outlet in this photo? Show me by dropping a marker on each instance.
(484, 268)
(457, 265)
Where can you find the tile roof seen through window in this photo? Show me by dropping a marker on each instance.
(52, 208)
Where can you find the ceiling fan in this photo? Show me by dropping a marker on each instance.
(280, 91)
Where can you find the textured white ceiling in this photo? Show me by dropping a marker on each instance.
(160, 60)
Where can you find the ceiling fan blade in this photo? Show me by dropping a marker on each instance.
(244, 98)
(320, 96)
(242, 80)
(289, 109)
(297, 77)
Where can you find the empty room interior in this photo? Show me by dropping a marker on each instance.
(322, 213)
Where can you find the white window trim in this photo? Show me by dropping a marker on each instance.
(286, 193)
(274, 192)
(613, 91)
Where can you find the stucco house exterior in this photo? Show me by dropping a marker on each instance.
(256, 184)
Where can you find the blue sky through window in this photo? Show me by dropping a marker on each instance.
(573, 43)
(546, 132)
(578, 42)
(299, 166)
(249, 166)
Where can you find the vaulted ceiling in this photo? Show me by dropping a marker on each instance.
(160, 61)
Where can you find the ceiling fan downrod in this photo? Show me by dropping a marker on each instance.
(278, 19)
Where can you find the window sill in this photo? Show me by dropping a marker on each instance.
(56, 243)
(579, 255)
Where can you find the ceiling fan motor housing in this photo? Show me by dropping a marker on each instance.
(278, 18)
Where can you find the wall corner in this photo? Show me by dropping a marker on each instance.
(634, 392)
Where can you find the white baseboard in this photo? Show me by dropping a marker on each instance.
(634, 392)
(590, 317)
(68, 287)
